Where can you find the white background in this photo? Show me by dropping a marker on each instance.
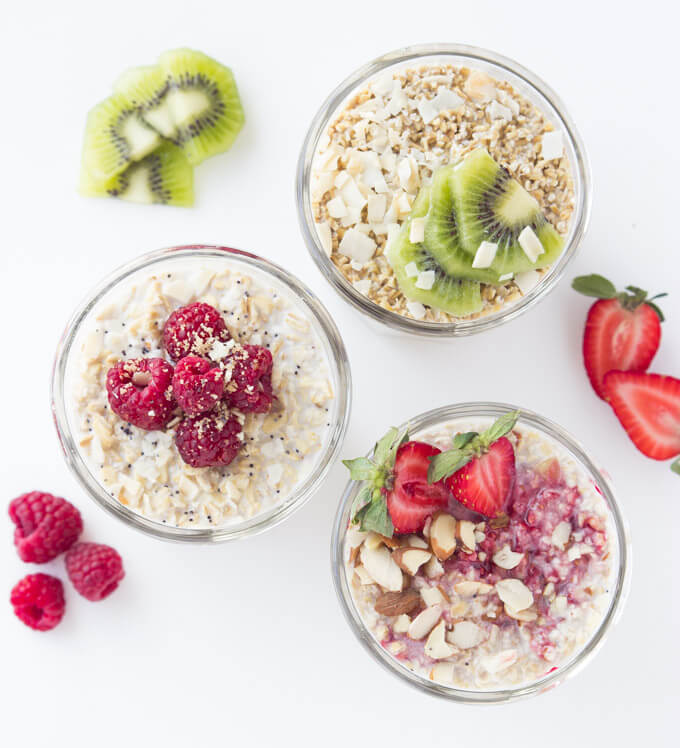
(244, 644)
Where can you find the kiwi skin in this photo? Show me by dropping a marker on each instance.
(455, 296)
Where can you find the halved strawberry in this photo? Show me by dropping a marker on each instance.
(410, 474)
(648, 406)
(408, 515)
(622, 330)
(484, 483)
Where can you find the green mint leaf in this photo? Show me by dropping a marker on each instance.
(375, 517)
(360, 468)
(594, 285)
(500, 428)
(446, 463)
(361, 500)
(657, 310)
(460, 441)
(384, 445)
(675, 467)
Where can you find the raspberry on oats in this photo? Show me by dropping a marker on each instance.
(198, 385)
(211, 439)
(46, 526)
(249, 378)
(192, 329)
(95, 570)
(38, 601)
(140, 391)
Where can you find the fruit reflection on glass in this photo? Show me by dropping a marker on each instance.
(142, 143)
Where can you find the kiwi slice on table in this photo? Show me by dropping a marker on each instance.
(164, 177)
(492, 206)
(115, 137)
(453, 295)
(196, 105)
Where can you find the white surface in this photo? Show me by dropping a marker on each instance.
(244, 644)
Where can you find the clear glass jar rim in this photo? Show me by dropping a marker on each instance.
(338, 361)
(360, 302)
(618, 598)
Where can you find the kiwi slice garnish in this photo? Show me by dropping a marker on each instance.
(115, 136)
(492, 206)
(197, 106)
(453, 295)
(164, 177)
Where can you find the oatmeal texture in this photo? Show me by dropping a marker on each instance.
(523, 600)
(388, 141)
(142, 469)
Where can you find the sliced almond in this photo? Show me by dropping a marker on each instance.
(354, 537)
(561, 534)
(514, 593)
(363, 576)
(432, 596)
(436, 645)
(472, 589)
(433, 569)
(521, 615)
(507, 559)
(413, 541)
(499, 662)
(381, 566)
(400, 626)
(396, 603)
(442, 672)
(424, 622)
(443, 535)
(373, 541)
(411, 559)
(465, 532)
(465, 635)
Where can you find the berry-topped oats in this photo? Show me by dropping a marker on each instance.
(203, 394)
(441, 193)
(480, 555)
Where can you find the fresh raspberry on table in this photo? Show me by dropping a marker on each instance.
(94, 569)
(248, 373)
(198, 385)
(192, 330)
(140, 391)
(46, 526)
(210, 439)
(38, 601)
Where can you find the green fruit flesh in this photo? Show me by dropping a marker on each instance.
(164, 177)
(491, 206)
(452, 295)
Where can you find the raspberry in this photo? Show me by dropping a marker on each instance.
(140, 392)
(46, 526)
(38, 601)
(210, 439)
(249, 389)
(198, 385)
(94, 569)
(191, 330)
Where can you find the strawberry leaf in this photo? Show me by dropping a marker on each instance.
(500, 428)
(657, 310)
(675, 467)
(594, 285)
(461, 441)
(375, 517)
(384, 445)
(446, 463)
(361, 500)
(360, 468)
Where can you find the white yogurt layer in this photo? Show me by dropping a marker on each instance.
(142, 469)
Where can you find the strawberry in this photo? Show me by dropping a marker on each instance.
(622, 330)
(480, 469)
(396, 494)
(648, 406)
(484, 484)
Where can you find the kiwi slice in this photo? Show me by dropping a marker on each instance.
(115, 137)
(442, 234)
(189, 99)
(452, 295)
(492, 206)
(164, 177)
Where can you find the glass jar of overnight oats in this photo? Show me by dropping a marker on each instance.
(522, 602)
(138, 475)
(377, 143)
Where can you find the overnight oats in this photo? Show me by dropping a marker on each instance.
(480, 554)
(442, 188)
(205, 390)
